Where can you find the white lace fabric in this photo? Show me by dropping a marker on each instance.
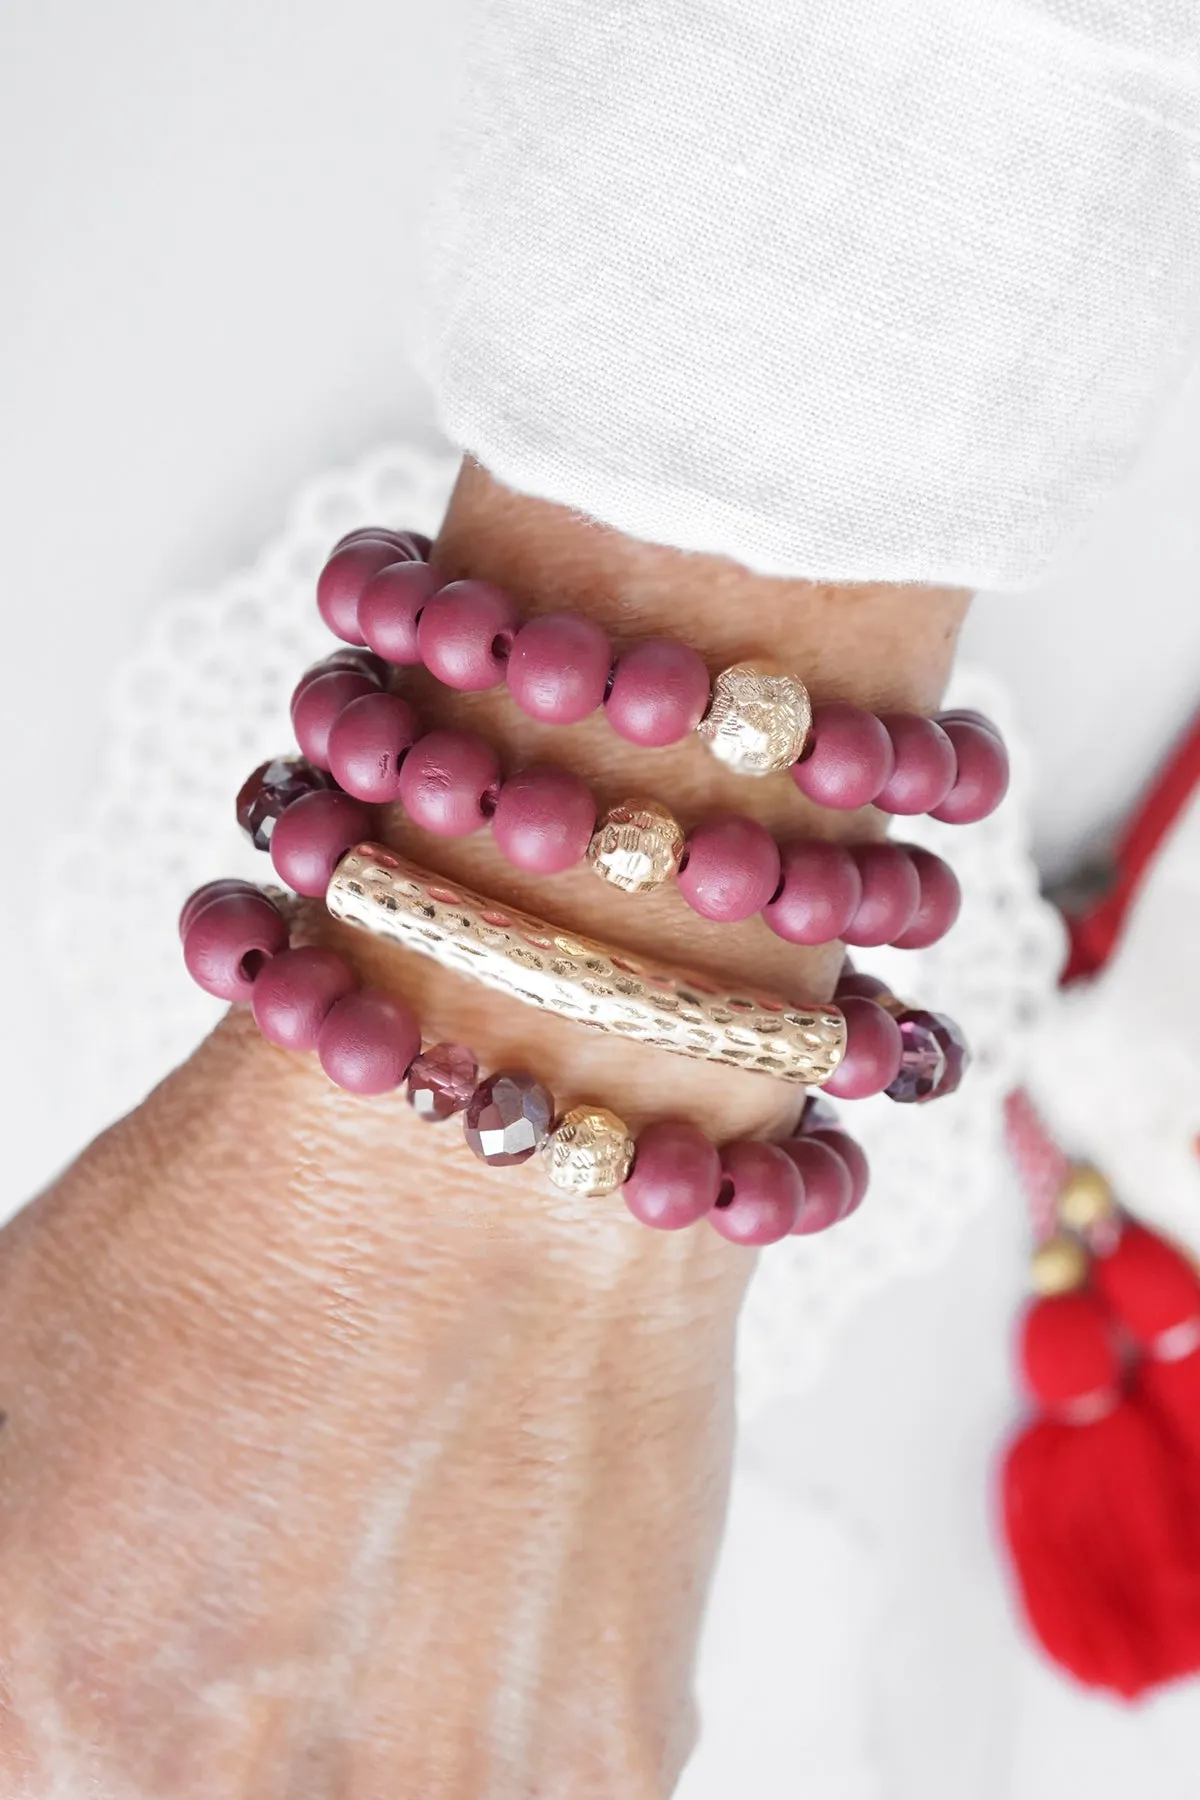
(205, 699)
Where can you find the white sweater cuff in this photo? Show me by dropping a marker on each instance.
(855, 292)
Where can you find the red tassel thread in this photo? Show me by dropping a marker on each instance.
(1154, 1291)
(1097, 1525)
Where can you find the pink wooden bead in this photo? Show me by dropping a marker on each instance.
(939, 903)
(559, 668)
(450, 782)
(676, 1176)
(389, 611)
(730, 868)
(850, 760)
(981, 781)
(228, 942)
(873, 1050)
(342, 580)
(195, 903)
(362, 662)
(925, 765)
(760, 1195)
(316, 704)
(891, 893)
(368, 1041)
(854, 1157)
(409, 544)
(828, 1188)
(544, 819)
(295, 991)
(867, 987)
(465, 635)
(660, 691)
(821, 890)
(367, 744)
(312, 836)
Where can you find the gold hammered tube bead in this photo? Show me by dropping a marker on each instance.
(578, 978)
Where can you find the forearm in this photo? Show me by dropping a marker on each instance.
(327, 1451)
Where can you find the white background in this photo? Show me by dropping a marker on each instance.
(207, 228)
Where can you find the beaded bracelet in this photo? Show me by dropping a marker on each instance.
(544, 820)
(377, 589)
(671, 1175)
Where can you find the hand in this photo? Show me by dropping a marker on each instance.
(335, 1466)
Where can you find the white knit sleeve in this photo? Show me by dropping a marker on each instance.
(840, 288)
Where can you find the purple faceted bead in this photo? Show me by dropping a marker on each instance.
(267, 794)
(818, 1115)
(507, 1119)
(933, 1057)
(441, 1081)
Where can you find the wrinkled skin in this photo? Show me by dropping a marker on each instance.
(335, 1466)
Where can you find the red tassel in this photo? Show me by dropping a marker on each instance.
(1096, 1522)
(1154, 1291)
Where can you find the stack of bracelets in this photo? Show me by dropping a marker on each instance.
(363, 746)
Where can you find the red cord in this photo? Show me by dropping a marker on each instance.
(1093, 935)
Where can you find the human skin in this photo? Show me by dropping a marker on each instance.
(334, 1465)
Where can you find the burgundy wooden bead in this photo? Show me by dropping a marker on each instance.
(820, 894)
(295, 992)
(660, 691)
(368, 743)
(312, 837)
(854, 1157)
(195, 903)
(409, 544)
(450, 782)
(559, 668)
(317, 703)
(828, 1187)
(760, 1196)
(358, 662)
(368, 1041)
(729, 869)
(873, 1050)
(544, 819)
(389, 611)
(866, 987)
(981, 781)
(891, 893)
(342, 581)
(938, 906)
(925, 765)
(676, 1176)
(465, 635)
(229, 940)
(850, 760)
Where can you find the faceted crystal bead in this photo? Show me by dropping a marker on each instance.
(933, 1058)
(507, 1119)
(818, 1115)
(441, 1081)
(268, 793)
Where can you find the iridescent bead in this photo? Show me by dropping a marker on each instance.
(441, 1082)
(266, 795)
(932, 1059)
(507, 1119)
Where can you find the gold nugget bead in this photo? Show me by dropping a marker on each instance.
(759, 718)
(1087, 1200)
(1059, 1266)
(589, 1151)
(636, 846)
